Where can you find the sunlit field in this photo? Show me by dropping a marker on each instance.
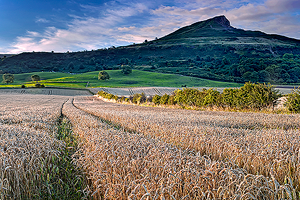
(257, 152)
(134, 152)
(27, 143)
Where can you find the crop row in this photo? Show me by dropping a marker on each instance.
(147, 165)
(27, 143)
(259, 143)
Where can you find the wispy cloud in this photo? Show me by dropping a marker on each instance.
(121, 22)
(41, 20)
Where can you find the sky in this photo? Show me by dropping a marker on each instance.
(78, 25)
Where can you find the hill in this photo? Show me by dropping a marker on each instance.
(135, 79)
(211, 49)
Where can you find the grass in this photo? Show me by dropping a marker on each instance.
(63, 180)
(135, 79)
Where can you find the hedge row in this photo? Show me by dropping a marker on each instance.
(255, 96)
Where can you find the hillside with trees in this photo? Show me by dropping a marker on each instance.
(211, 49)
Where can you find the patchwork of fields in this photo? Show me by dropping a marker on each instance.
(132, 152)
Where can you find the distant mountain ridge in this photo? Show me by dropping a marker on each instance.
(210, 49)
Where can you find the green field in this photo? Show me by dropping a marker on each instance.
(135, 79)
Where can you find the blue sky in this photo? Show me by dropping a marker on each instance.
(76, 25)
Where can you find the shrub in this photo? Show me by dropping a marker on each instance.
(171, 100)
(142, 98)
(35, 77)
(293, 101)
(164, 99)
(139, 98)
(135, 98)
(109, 96)
(156, 99)
(103, 75)
(115, 97)
(122, 99)
(229, 97)
(212, 98)
(149, 99)
(23, 86)
(126, 69)
(38, 85)
(256, 96)
(8, 78)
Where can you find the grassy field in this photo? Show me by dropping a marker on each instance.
(136, 79)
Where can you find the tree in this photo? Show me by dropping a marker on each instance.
(126, 69)
(35, 78)
(92, 61)
(8, 78)
(293, 101)
(70, 65)
(103, 75)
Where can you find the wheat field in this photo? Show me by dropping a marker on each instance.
(27, 145)
(134, 152)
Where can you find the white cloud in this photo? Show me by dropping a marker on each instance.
(283, 5)
(41, 20)
(115, 24)
(81, 33)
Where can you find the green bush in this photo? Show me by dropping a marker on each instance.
(171, 100)
(109, 96)
(139, 98)
(293, 101)
(142, 98)
(164, 99)
(156, 99)
(212, 98)
(126, 69)
(103, 75)
(38, 85)
(8, 78)
(256, 96)
(229, 97)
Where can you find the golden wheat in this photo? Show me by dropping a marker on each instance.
(27, 144)
(259, 143)
(158, 161)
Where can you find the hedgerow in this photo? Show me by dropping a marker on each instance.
(252, 96)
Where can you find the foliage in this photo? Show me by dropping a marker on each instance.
(103, 75)
(66, 181)
(8, 78)
(253, 96)
(38, 85)
(139, 98)
(293, 101)
(164, 99)
(126, 69)
(156, 99)
(35, 77)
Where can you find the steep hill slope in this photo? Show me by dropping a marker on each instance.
(208, 49)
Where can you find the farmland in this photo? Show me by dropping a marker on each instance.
(136, 79)
(133, 152)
